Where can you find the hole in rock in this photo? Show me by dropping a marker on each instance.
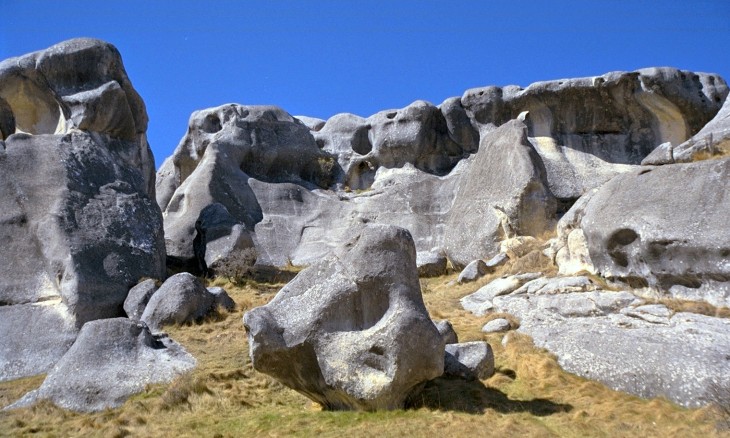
(211, 124)
(35, 109)
(563, 205)
(391, 115)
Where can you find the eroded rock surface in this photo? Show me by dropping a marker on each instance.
(659, 228)
(111, 360)
(79, 223)
(349, 334)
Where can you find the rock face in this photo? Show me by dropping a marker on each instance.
(351, 332)
(612, 337)
(661, 228)
(111, 360)
(540, 148)
(79, 222)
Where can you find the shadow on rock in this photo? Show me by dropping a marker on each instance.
(473, 397)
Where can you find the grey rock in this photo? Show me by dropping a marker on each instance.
(224, 149)
(662, 154)
(557, 285)
(313, 123)
(712, 141)
(447, 332)
(459, 126)
(181, 298)
(111, 360)
(222, 299)
(497, 260)
(222, 245)
(640, 349)
(348, 334)
(475, 270)
(138, 298)
(516, 205)
(623, 116)
(430, 264)
(469, 360)
(641, 228)
(496, 325)
(79, 224)
(480, 302)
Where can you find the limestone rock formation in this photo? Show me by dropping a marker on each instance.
(414, 167)
(469, 360)
(351, 331)
(138, 297)
(661, 228)
(614, 338)
(111, 360)
(79, 222)
(713, 139)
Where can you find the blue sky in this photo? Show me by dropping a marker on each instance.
(320, 58)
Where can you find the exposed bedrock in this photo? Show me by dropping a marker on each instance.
(78, 219)
(661, 228)
(351, 334)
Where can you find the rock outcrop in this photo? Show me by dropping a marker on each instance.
(616, 339)
(79, 223)
(299, 184)
(351, 332)
(658, 228)
(111, 360)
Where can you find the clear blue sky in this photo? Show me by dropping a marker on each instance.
(320, 58)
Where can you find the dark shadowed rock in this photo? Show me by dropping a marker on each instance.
(138, 298)
(661, 228)
(430, 264)
(111, 360)
(78, 222)
(447, 332)
(475, 270)
(223, 244)
(469, 360)
(181, 298)
(222, 298)
(348, 334)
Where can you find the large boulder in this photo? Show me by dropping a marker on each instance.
(659, 228)
(111, 360)
(614, 338)
(351, 331)
(502, 194)
(79, 224)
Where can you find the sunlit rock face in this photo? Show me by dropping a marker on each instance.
(78, 219)
(351, 332)
(299, 185)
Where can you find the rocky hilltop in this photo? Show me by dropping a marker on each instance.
(617, 182)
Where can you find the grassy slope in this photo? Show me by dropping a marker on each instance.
(528, 396)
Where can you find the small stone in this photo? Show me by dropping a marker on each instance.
(496, 326)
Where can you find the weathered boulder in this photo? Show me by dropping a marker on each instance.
(111, 360)
(661, 228)
(517, 202)
(224, 148)
(222, 246)
(138, 298)
(431, 264)
(222, 299)
(713, 139)
(469, 360)
(497, 325)
(480, 302)
(181, 298)
(79, 224)
(475, 270)
(614, 338)
(351, 334)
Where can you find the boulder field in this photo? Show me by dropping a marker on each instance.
(624, 176)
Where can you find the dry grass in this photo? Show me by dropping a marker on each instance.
(528, 396)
